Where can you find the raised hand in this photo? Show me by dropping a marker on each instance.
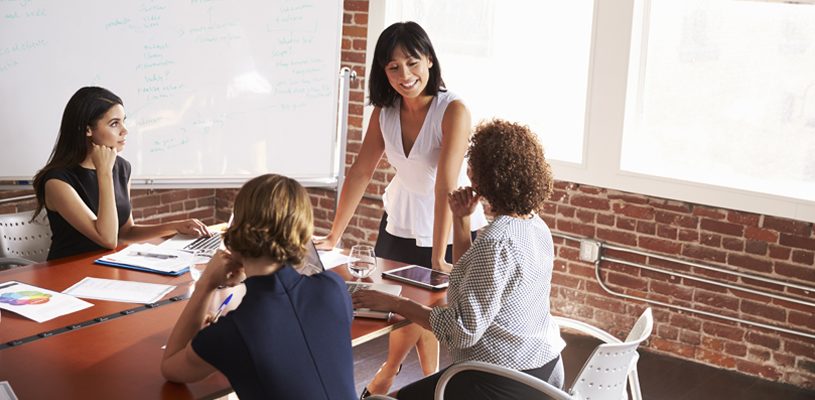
(463, 201)
(103, 157)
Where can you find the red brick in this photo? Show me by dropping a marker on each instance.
(667, 332)
(752, 232)
(735, 349)
(742, 218)
(716, 300)
(634, 211)
(691, 338)
(354, 31)
(618, 237)
(360, 44)
(605, 219)
(797, 241)
(802, 319)
(762, 340)
(800, 348)
(710, 240)
(772, 312)
(577, 228)
(703, 253)
(721, 227)
(715, 358)
(683, 321)
(648, 228)
(585, 216)
(627, 198)
(794, 271)
(708, 212)
(589, 189)
(756, 247)
(605, 303)
(625, 255)
(569, 253)
(803, 257)
(734, 244)
(686, 221)
(354, 57)
(787, 225)
(590, 202)
(687, 235)
(752, 368)
(145, 201)
(173, 195)
(749, 262)
(659, 245)
(198, 193)
(676, 348)
(667, 232)
(566, 211)
(670, 205)
(361, 19)
(626, 223)
(724, 331)
(627, 281)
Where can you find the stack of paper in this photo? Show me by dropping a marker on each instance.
(116, 290)
(150, 258)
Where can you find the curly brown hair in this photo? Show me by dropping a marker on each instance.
(272, 218)
(507, 167)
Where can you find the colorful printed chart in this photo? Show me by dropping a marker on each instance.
(24, 298)
(37, 303)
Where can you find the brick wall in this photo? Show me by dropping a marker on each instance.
(758, 244)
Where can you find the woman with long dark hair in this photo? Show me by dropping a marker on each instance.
(423, 129)
(85, 186)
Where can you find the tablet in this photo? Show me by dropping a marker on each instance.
(419, 276)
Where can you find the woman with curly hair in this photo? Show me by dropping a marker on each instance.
(274, 345)
(497, 307)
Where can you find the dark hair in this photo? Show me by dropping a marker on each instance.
(508, 169)
(414, 40)
(272, 218)
(83, 110)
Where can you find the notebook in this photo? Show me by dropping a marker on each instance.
(313, 264)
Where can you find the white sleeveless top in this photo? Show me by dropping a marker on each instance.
(409, 198)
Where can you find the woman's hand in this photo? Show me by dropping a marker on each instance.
(325, 243)
(192, 227)
(463, 201)
(103, 157)
(224, 269)
(374, 300)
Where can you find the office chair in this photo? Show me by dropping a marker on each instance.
(23, 241)
(603, 376)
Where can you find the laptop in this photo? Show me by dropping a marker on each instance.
(312, 264)
(203, 246)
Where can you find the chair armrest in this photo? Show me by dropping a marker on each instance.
(531, 381)
(7, 262)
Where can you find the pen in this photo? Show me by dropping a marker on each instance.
(222, 307)
(154, 255)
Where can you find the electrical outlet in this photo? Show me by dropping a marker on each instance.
(589, 250)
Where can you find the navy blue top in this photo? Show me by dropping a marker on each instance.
(290, 338)
(66, 240)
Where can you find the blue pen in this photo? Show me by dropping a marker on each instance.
(222, 307)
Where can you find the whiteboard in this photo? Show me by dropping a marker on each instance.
(214, 91)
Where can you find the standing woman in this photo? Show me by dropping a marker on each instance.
(424, 130)
(85, 186)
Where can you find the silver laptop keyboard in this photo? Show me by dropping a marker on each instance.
(204, 243)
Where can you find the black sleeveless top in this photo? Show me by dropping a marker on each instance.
(66, 240)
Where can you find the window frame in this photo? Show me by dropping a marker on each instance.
(609, 64)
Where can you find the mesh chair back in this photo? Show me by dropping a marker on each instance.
(22, 238)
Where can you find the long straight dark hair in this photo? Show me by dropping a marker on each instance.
(83, 110)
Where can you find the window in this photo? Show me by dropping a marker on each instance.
(724, 94)
(510, 59)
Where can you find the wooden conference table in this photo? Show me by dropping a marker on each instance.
(113, 349)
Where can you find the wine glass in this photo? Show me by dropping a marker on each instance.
(361, 261)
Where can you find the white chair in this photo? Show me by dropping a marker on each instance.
(23, 241)
(603, 376)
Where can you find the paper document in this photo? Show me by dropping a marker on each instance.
(5, 391)
(116, 290)
(151, 258)
(37, 303)
(333, 258)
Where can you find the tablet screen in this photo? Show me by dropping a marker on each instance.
(420, 275)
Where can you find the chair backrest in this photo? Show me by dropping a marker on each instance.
(22, 238)
(605, 373)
